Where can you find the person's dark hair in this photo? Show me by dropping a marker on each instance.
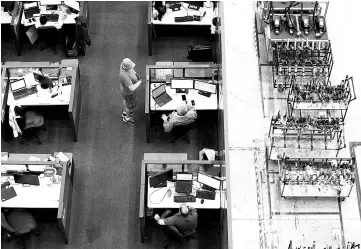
(43, 20)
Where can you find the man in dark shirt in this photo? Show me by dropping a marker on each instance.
(185, 220)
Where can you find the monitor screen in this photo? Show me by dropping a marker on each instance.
(158, 91)
(183, 84)
(184, 176)
(204, 86)
(26, 179)
(162, 177)
(16, 85)
(196, 3)
(209, 181)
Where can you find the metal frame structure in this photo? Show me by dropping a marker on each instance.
(308, 105)
(294, 166)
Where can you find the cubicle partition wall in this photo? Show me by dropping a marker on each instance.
(69, 100)
(149, 196)
(48, 195)
(16, 26)
(85, 13)
(161, 74)
(221, 124)
(5, 128)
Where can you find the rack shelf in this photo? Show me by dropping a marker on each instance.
(316, 177)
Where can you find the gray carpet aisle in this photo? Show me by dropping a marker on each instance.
(109, 153)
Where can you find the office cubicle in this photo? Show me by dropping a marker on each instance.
(43, 196)
(18, 29)
(153, 167)
(159, 74)
(16, 70)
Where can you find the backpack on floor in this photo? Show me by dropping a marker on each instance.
(71, 47)
(200, 53)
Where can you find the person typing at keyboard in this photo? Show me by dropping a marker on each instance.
(184, 115)
(185, 220)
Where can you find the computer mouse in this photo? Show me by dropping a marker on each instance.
(202, 201)
(169, 192)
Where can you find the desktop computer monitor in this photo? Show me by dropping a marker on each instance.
(26, 179)
(8, 5)
(161, 179)
(196, 3)
(209, 181)
(205, 87)
(181, 84)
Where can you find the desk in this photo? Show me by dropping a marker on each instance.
(156, 195)
(64, 18)
(207, 72)
(168, 19)
(5, 17)
(70, 97)
(47, 195)
(192, 166)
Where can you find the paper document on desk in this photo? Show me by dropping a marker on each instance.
(32, 34)
(50, 2)
(34, 159)
(30, 5)
(29, 80)
(62, 157)
(5, 157)
(72, 4)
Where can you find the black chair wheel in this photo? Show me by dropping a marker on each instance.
(41, 49)
(55, 52)
(40, 142)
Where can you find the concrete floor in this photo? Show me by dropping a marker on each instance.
(250, 105)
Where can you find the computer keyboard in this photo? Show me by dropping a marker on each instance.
(24, 93)
(52, 17)
(175, 6)
(185, 198)
(204, 194)
(183, 18)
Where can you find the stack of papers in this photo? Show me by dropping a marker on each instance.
(62, 157)
(30, 5)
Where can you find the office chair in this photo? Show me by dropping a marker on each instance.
(23, 223)
(173, 235)
(182, 131)
(49, 35)
(30, 123)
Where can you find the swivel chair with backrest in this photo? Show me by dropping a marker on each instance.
(182, 131)
(30, 123)
(174, 236)
(21, 222)
(49, 35)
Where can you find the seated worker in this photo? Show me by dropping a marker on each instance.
(6, 225)
(184, 115)
(185, 220)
